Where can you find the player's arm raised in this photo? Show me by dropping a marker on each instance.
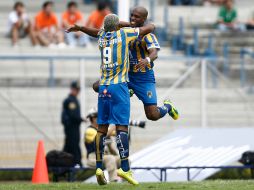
(146, 29)
(89, 31)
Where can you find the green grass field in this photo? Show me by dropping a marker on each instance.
(206, 185)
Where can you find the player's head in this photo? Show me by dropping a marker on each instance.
(19, 7)
(72, 6)
(75, 88)
(111, 22)
(138, 16)
(47, 7)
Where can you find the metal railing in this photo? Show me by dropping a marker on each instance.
(163, 170)
(162, 176)
(243, 53)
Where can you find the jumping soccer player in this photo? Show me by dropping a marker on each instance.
(143, 53)
(113, 98)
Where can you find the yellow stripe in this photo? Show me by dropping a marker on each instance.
(119, 58)
(149, 38)
(126, 60)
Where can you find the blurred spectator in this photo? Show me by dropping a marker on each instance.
(71, 120)
(46, 25)
(213, 2)
(111, 159)
(96, 18)
(250, 24)
(19, 24)
(70, 17)
(228, 18)
(182, 2)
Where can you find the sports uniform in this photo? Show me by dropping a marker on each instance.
(142, 82)
(113, 98)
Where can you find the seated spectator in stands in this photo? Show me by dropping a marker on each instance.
(182, 2)
(213, 2)
(96, 18)
(46, 26)
(70, 17)
(228, 18)
(19, 24)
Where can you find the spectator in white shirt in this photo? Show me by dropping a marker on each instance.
(19, 25)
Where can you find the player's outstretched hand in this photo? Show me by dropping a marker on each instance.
(74, 28)
(142, 64)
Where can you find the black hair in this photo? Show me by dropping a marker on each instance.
(47, 3)
(72, 3)
(18, 4)
(102, 5)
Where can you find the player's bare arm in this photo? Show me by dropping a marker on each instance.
(153, 55)
(146, 29)
(124, 24)
(87, 30)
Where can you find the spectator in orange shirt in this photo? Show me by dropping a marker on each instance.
(46, 25)
(70, 17)
(96, 18)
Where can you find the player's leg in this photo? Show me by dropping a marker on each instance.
(122, 141)
(146, 92)
(99, 143)
(103, 122)
(120, 116)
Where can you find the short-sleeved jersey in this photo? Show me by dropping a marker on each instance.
(114, 47)
(139, 50)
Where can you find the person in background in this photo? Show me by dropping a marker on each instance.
(46, 26)
(111, 159)
(213, 2)
(250, 24)
(19, 24)
(228, 18)
(70, 17)
(71, 120)
(96, 18)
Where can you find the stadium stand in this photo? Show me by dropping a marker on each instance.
(29, 106)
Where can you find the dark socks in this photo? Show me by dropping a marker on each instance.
(122, 141)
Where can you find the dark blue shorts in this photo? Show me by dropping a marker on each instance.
(114, 104)
(146, 92)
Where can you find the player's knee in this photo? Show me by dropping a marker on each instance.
(151, 116)
(96, 86)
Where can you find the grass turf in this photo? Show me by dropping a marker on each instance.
(205, 185)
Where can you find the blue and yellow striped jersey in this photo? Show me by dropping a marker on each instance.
(139, 50)
(115, 54)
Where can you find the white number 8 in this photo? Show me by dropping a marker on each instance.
(107, 55)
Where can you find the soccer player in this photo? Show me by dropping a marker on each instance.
(113, 98)
(143, 53)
